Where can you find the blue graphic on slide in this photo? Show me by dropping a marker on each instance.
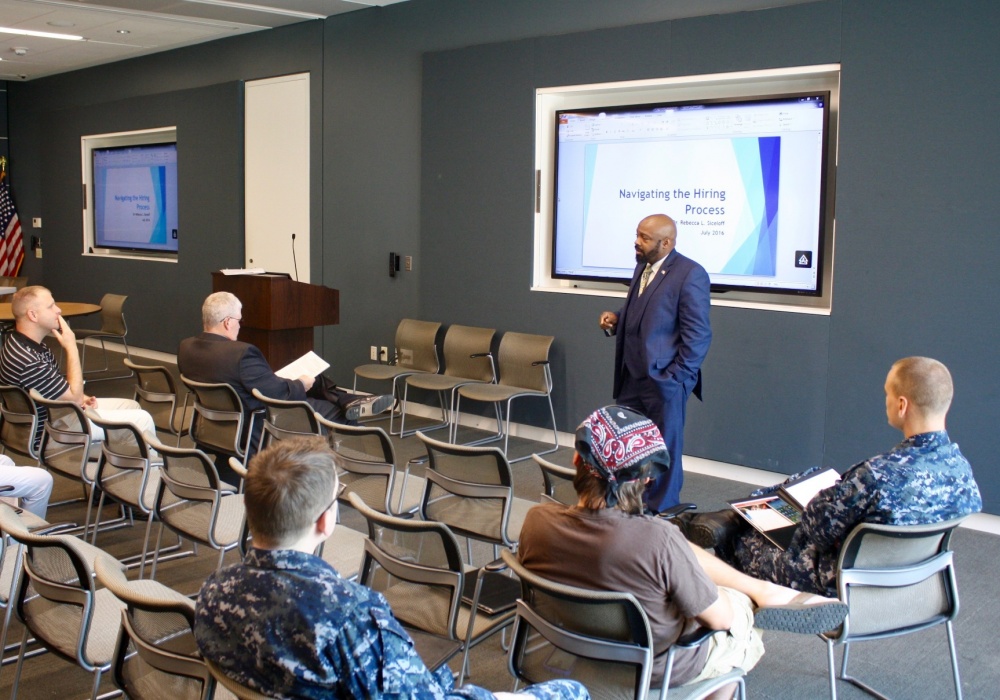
(159, 232)
(759, 161)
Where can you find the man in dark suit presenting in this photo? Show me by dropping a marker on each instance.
(662, 336)
(216, 356)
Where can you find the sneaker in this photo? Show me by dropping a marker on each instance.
(805, 614)
(369, 406)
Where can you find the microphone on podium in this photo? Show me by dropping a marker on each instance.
(294, 262)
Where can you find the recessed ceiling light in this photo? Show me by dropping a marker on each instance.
(124, 31)
(43, 35)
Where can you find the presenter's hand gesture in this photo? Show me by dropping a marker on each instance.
(609, 321)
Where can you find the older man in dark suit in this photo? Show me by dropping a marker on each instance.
(663, 334)
(217, 356)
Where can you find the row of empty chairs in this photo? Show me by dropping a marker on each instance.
(520, 368)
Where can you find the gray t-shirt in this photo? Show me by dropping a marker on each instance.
(643, 555)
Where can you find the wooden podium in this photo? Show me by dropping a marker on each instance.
(279, 314)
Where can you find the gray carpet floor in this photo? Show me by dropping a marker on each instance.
(793, 667)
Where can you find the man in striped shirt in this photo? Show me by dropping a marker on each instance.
(25, 361)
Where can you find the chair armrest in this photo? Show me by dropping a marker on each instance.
(695, 638)
(676, 510)
(496, 566)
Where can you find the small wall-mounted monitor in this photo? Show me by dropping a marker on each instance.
(130, 194)
(135, 197)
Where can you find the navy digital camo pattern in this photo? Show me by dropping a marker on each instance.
(925, 479)
(285, 622)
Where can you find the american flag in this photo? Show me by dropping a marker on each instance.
(11, 244)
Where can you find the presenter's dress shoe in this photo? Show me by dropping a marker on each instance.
(709, 530)
(369, 406)
(805, 613)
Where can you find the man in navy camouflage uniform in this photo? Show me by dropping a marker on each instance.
(285, 623)
(922, 480)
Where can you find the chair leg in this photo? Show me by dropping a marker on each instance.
(156, 554)
(954, 659)
(832, 669)
(20, 665)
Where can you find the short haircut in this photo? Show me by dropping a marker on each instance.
(218, 307)
(287, 486)
(24, 299)
(925, 382)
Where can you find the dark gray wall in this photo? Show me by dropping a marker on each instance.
(200, 91)
(424, 134)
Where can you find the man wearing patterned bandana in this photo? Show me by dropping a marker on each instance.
(922, 480)
(605, 542)
(286, 624)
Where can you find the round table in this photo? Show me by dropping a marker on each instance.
(69, 309)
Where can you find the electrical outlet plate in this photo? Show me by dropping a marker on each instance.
(408, 261)
(383, 355)
(374, 353)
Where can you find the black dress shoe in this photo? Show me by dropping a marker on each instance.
(709, 530)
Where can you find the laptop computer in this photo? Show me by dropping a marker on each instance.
(499, 593)
(777, 515)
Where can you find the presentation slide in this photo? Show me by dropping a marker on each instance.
(135, 197)
(743, 183)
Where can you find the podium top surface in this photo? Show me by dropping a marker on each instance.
(276, 302)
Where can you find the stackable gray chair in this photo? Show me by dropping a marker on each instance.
(471, 490)
(59, 602)
(416, 353)
(219, 424)
(113, 327)
(19, 422)
(157, 395)
(417, 565)
(600, 638)
(895, 579)
(558, 481)
(194, 504)
(523, 366)
(285, 419)
(366, 463)
(156, 655)
(467, 360)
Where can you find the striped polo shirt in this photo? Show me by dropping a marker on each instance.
(31, 365)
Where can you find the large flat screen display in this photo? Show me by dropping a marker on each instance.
(135, 197)
(745, 180)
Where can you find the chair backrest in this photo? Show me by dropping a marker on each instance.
(157, 394)
(20, 429)
(112, 314)
(365, 462)
(558, 482)
(466, 353)
(57, 599)
(66, 440)
(424, 559)
(286, 419)
(896, 579)
(523, 361)
(124, 469)
(600, 638)
(218, 420)
(470, 489)
(156, 655)
(415, 345)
